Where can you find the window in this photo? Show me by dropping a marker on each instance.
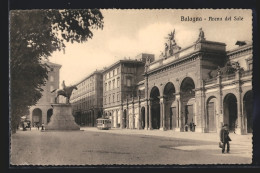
(109, 85)
(51, 78)
(117, 97)
(113, 83)
(250, 66)
(105, 86)
(113, 98)
(108, 99)
(128, 82)
(118, 82)
(117, 70)
(249, 63)
(113, 72)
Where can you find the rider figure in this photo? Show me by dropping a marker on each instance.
(64, 89)
(63, 85)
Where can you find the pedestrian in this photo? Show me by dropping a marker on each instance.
(191, 126)
(38, 126)
(42, 126)
(29, 124)
(224, 138)
(186, 127)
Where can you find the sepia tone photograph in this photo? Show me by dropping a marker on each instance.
(131, 87)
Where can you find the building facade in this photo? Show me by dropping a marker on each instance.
(202, 85)
(87, 100)
(120, 82)
(42, 111)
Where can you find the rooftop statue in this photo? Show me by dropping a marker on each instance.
(170, 46)
(171, 38)
(65, 91)
(201, 35)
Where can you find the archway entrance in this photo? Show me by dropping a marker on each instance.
(211, 115)
(37, 116)
(99, 114)
(143, 118)
(170, 112)
(124, 119)
(230, 111)
(49, 114)
(187, 98)
(248, 111)
(155, 108)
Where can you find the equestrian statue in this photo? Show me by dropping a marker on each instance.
(65, 91)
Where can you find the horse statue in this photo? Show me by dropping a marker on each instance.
(66, 92)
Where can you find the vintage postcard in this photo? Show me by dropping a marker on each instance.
(131, 87)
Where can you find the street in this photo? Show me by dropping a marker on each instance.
(135, 147)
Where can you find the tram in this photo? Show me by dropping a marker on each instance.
(103, 123)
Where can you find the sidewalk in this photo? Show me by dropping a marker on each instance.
(213, 137)
(241, 145)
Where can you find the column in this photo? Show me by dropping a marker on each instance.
(44, 116)
(133, 114)
(220, 117)
(121, 117)
(139, 114)
(178, 113)
(163, 116)
(146, 115)
(116, 117)
(239, 129)
(150, 116)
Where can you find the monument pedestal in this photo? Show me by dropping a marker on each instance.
(62, 118)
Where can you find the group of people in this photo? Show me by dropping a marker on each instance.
(26, 125)
(191, 126)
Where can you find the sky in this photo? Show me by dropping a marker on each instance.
(127, 33)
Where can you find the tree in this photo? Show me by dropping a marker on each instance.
(34, 35)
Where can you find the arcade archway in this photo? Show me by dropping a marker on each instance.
(230, 111)
(170, 111)
(248, 111)
(187, 97)
(155, 107)
(37, 116)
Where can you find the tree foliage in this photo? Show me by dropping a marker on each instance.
(34, 36)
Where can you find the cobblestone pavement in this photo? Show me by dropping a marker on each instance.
(91, 146)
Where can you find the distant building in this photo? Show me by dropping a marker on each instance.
(87, 99)
(42, 111)
(120, 83)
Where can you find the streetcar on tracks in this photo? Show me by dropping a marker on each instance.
(103, 123)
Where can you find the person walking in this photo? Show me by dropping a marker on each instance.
(224, 138)
(42, 126)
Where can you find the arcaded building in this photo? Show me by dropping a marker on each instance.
(203, 85)
(120, 82)
(87, 100)
(42, 111)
